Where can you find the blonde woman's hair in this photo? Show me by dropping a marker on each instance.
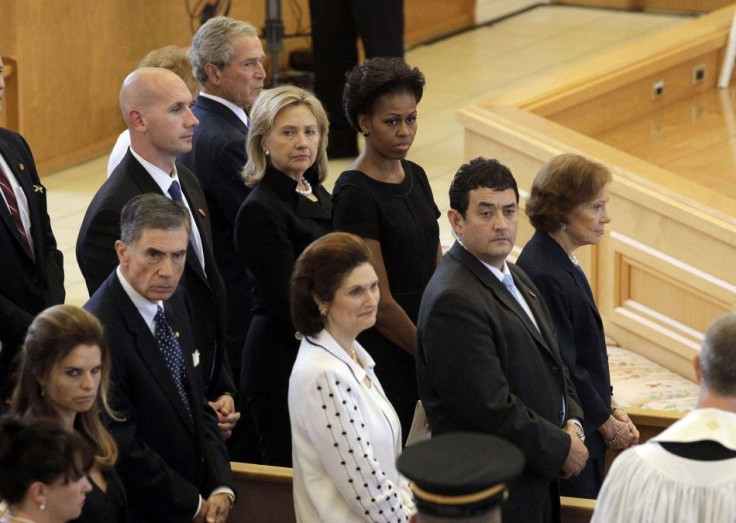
(262, 116)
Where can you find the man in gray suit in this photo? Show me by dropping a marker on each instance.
(488, 359)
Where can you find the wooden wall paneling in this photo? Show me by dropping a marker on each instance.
(429, 19)
(701, 6)
(9, 104)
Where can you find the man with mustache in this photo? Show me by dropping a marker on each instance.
(488, 359)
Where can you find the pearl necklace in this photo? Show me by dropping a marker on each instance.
(305, 183)
(574, 260)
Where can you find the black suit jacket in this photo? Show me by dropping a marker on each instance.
(166, 461)
(579, 328)
(28, 284)
(217, 158)
(273, 227)
(482, 366)
(97, 258)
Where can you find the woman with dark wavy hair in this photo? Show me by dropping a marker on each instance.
(64, 373)
(386, 199)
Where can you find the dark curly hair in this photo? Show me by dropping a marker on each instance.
(479, 172)
(377, 77)
(562, 184)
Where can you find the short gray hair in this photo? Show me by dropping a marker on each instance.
(718, 356)
(212, 43)
(151, 211)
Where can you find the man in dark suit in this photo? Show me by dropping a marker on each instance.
(155, 103)
(488, 359)
(172, 460)
(227, 59)
(31, 267)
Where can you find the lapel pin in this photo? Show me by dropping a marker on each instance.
(201, 211)
(21, 167)
(195, 358)
(176, 333)
(38, 188)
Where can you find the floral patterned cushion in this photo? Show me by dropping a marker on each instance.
(639, 382)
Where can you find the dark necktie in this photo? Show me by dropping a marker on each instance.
(175, 192)
(13, 208)
(171, 351)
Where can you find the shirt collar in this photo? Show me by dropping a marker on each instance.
(239, 111)
(162, 178)
(146, 307)
(497, 273)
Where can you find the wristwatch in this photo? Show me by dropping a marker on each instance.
(580, 432)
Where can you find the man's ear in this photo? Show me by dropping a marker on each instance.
(456, 222)
(213, 73)
(136, 121)
(120, 249)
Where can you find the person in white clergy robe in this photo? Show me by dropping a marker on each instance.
(688, 472)
(346, 436)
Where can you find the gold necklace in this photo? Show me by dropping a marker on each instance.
(353, 355)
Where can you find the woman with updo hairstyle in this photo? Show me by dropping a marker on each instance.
(287, 209)
(567, 207)
(64, 374)
(387, 200)
(43, 470)
(346, 435)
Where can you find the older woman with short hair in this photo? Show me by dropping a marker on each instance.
(286, 210)
(346, 435)
(567, 207)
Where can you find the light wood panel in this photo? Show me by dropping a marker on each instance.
(72, 57)
(666, 269)
(9, 106)
(704, 6)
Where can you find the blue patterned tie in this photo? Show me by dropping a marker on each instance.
(171, 351)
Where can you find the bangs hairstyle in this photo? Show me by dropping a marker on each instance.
(38, 450)
(51, 337)
(377, 77)
(262, 116)
(562, 184)
(479, 172)
(319, 271)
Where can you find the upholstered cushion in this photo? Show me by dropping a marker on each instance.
(639, 382)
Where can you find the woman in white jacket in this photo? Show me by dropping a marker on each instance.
(346, 436)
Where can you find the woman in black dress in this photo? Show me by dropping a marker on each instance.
(287, 209)
(64, 373)
(387, 200)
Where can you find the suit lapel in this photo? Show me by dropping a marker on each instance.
(147, 348)
(199, 211)
(502, 294)
(560, 257)
(205, 104)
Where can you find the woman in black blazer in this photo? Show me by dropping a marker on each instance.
(287, 209)
(567, 207)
